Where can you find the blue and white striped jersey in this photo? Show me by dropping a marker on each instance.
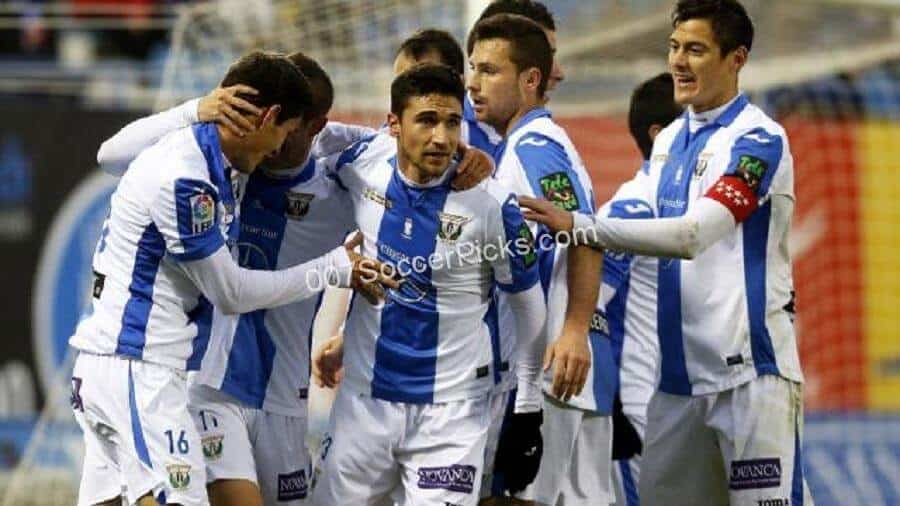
(433, 339)
(262, 358)
(538, 159)
(625, 321)
(176, 203)
(725, 317)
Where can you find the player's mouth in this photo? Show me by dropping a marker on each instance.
(478, 104)
(435, 155)
(685, 81)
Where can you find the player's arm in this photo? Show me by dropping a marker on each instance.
(550, 174)
(185, 214)
(222, 105)
(744, 186)
(516, 272)
(520, 447)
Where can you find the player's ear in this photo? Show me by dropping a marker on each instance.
(393, 122)
(531, 79)
(739, 58)
(270, 116)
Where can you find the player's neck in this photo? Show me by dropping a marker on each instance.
(719, 101)
(235, 151)
(514, 120)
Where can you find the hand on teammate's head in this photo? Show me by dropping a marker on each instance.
(226, 107)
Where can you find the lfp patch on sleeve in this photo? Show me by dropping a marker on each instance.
(752, 170)
(558, 188)
(203, 212)
(756, 473)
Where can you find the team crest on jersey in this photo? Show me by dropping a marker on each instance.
(297, 204)
(702, 163)
(179, 475)
(203, 213)
(558, 188)
(212, 447)
(752, 170)
(526, 239)
(376, 197)
(451, 226)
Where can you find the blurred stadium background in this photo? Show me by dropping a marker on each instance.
(73, 72)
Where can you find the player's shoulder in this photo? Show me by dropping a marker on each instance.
(370, 149)
(491, 195)
(664, 138)
(175, 156)
(754, 124)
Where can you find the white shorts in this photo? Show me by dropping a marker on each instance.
(434, 452)
(736, 447)
(576, 466)
(497, 404)
(139, 437)
(241, 443)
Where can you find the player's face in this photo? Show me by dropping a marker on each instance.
(494, 83)
(428, 133)
(704, 78)
(267, 140)
(405, 61)
(556, 73)
(297, 145)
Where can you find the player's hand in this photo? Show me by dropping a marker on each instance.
(474, 167)
(225, 107)
(570, 358)
(370, 277)
(328, 362)
(519, 450)
(543, 211)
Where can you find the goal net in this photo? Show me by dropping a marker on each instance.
(828, 70)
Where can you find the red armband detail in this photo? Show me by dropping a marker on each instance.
(735, 194)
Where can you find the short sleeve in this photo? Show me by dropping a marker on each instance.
(515, 265)
(185, 212)
(632, 198)
(551, 174)
(754, 162)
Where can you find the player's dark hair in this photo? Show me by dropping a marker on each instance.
(652, 103)
(529, 47)
(731, 25)
(535, 11)
(422, 80)
(276, 80)
(320, 83)
(440, 41)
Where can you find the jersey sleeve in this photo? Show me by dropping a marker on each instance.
(633, 193)
(617, 264)
(185, 212)
(755, 159)
(339, 166)
(515, 263)
(550, 173)
(336, 137)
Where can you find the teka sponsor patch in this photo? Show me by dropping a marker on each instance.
(756, 473)
(456, 478)
(292, 486)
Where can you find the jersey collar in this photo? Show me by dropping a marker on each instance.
(533, 114)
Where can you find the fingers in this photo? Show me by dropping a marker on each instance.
(236, 117)
(474, 168)
(548, 357)
(532, 216)
(559, 376)
(355, 241)
(234, 101)
(573, 372)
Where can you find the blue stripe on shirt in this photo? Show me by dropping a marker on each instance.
(406, 350)
(149, 253)
(756, 240)
(201, 316)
